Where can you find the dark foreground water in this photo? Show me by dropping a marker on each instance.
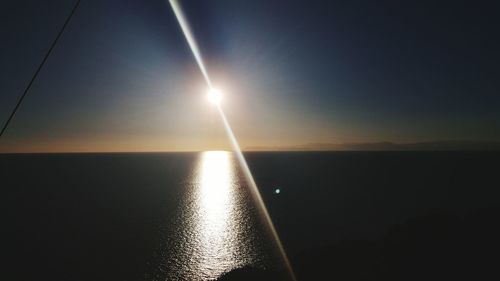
(189, 216)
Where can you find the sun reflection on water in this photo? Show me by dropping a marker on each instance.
(216, 206)
(215, 189)
(216, 228)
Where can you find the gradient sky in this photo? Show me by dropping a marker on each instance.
(122, 77)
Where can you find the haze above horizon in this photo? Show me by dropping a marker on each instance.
(312, 75)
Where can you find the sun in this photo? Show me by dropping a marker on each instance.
(214, 96)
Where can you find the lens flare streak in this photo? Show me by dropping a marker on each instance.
(190, 39)
(234, 143)
(255, 191)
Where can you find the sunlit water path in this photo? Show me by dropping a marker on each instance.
(217, 228)
(147, 216)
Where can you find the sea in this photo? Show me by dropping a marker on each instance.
(193, 215)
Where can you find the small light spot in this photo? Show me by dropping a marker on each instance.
(277, 191)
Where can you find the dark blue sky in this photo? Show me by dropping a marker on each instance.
(122, 76)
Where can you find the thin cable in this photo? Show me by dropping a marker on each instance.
(38, 69)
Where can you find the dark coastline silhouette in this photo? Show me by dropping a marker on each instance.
(436, 246)
(251, 273)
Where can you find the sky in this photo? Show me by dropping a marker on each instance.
(293, 74)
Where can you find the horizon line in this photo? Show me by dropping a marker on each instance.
(437, 145)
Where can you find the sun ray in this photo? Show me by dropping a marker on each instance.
(232, 138)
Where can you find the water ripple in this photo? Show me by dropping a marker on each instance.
(216, 229)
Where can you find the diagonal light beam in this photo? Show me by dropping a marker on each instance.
(232, 138)
(190, 39)
(255, 192)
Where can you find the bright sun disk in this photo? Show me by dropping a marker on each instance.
(214, 96)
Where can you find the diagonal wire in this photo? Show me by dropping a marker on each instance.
(18, 104)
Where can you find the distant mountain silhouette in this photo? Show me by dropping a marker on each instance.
(386, 146)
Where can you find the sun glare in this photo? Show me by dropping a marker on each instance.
(214, 96)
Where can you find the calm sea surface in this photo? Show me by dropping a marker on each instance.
(190, 216)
